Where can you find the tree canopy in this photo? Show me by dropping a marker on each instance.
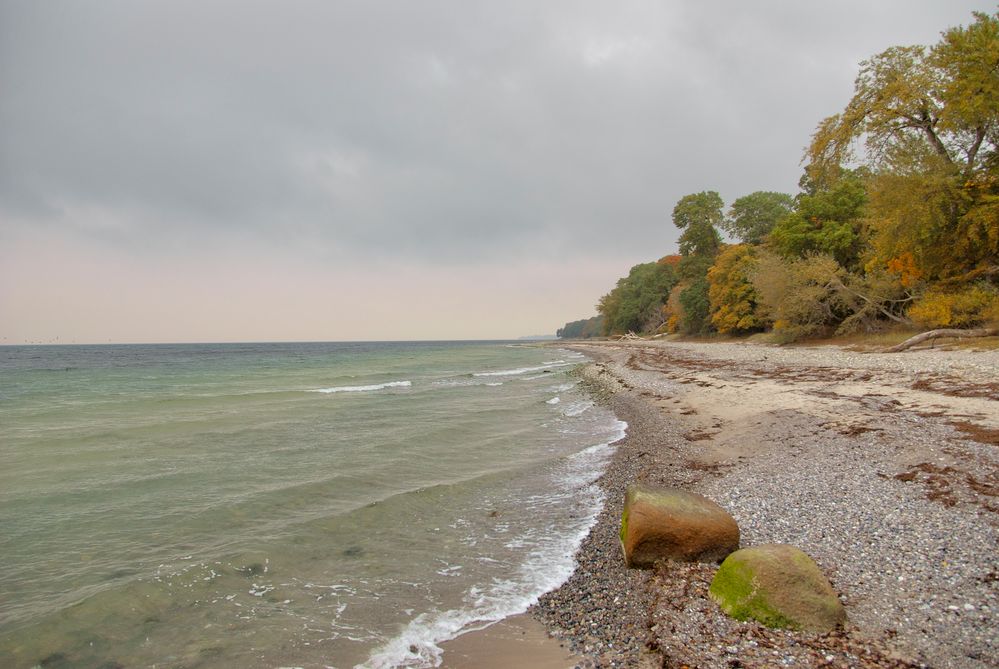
(699, 216)
(824, 221)
(581, 329)
(753, 216)
(921, 109)
(635, 304)
(929, 121)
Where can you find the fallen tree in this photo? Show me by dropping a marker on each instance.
(944, 333)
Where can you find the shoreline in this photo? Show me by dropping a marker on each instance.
(883, 467)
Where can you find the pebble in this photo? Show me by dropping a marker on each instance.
(895, 555)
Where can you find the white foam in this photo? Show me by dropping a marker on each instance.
(464, 383)
(525, 370)
(545, 568)
(578, 408)
(363, 389)
(554, 400)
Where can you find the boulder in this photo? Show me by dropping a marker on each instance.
(673, 524)
(778, 585)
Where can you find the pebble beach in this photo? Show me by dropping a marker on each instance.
(882, 467)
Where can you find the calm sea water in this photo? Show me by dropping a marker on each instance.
(284, 505)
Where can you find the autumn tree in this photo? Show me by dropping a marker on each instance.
(929, 122)
(752, 217)
(731, 292)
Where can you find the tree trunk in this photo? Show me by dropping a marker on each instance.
(936, 334)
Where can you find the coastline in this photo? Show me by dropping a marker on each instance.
(883, 467)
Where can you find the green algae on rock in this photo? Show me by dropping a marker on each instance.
(779, 586)
(673, 524)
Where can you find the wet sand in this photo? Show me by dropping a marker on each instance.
(519, 641)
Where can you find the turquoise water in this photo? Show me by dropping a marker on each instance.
(270, 505)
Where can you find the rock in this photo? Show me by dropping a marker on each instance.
(673, 524)
(778, 585)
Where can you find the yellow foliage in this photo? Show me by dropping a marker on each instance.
(731, 292)
(673, 309)
(970, 306)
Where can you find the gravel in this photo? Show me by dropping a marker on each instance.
(891, 496)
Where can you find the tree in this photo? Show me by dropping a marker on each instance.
(731, 293)
(581, 329)
(929, 119)
(797, 295)
(635, 304)
(825, 220)
(699, 215)
(752, 216)
(696, 307)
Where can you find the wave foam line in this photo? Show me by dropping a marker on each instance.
(362, 389)
(524, 370)
(546, 567)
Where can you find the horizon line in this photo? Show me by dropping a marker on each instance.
(285, 341)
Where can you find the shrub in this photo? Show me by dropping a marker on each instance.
(799, 295)
(967, 307)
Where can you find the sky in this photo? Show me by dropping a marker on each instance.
(209, 171)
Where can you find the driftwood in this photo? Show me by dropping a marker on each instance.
(937, 334)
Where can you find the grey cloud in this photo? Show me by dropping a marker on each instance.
(418, 129)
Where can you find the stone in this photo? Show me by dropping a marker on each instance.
(673, 524)
(779, 586)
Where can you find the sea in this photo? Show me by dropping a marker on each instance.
(285, 505)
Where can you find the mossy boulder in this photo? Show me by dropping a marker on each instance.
(779, 586)
(673, 524)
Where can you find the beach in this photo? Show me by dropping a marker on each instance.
(883, 467)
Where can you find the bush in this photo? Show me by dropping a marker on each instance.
(967, 307)
(799, 295)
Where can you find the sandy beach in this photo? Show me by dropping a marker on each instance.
(883, 467)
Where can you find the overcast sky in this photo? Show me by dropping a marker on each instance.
(247, 171)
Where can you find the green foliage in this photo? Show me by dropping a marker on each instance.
(699, 215)
(967, 307)
(826, 222)
(753, 216)
(731, 293)
(696, 305)
(635, 304)
(581, 329)
(691, 268)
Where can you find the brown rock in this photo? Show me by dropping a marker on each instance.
(673, 524)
